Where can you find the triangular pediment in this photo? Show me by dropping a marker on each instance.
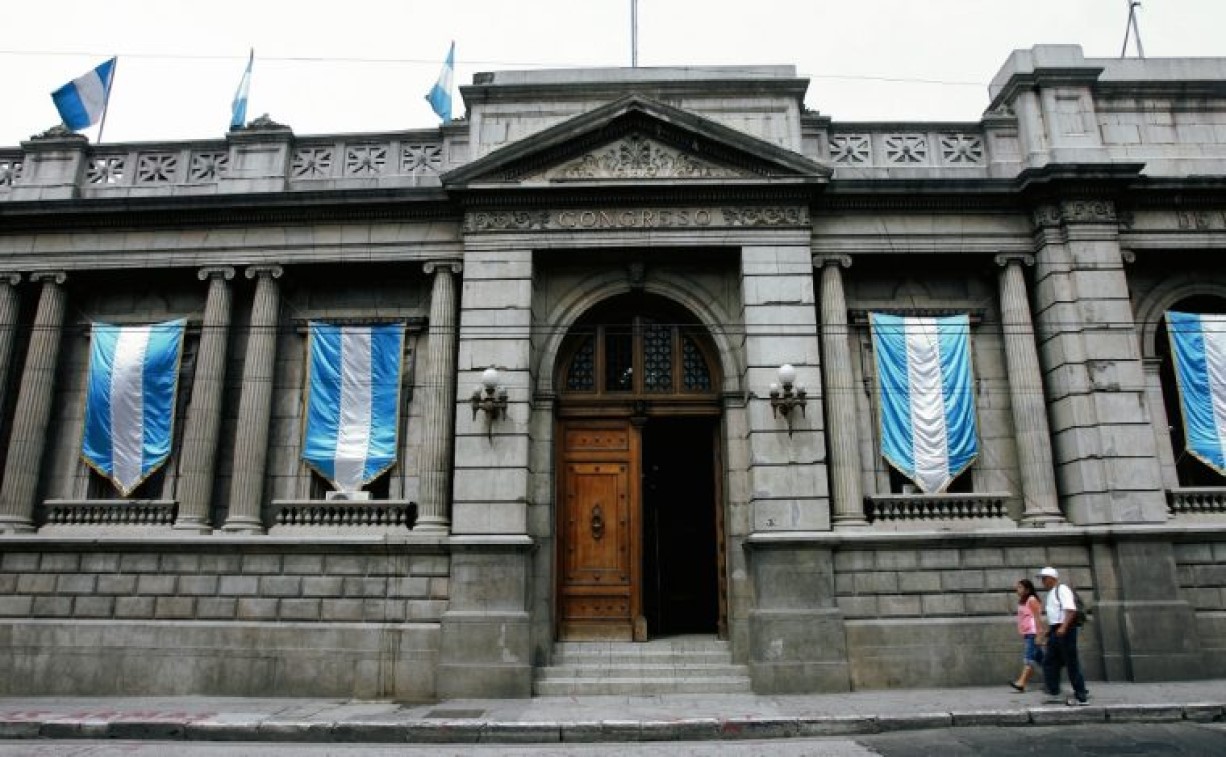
(637, 140)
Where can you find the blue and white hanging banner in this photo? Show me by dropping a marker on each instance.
(927, 397)
(353, 400)
(130, 400)
(1198, 349)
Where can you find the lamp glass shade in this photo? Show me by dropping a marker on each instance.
(787, 374)
(489, 379)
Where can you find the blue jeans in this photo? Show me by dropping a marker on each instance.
(1062, 652)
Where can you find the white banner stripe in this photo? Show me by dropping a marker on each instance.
(930, 438)
(127, 405)
(1213, 334)
(353, 434)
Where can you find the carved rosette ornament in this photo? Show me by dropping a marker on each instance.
(519, 220)
(766, 216)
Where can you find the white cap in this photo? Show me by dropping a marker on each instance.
(1049, 572)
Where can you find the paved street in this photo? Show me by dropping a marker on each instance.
(1193, 740)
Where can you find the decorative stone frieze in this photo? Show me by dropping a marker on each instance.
(1051, 215)
(636, 157)
(636, 218)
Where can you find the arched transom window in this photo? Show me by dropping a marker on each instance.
(625, 355)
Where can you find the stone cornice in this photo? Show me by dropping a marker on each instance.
(245, 209)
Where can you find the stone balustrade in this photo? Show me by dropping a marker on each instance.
(930, 509)
(1201, 500)
(108, 512)
(356, 514)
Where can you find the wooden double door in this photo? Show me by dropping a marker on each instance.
(640, 529)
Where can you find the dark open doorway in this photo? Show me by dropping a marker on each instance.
(680, 563)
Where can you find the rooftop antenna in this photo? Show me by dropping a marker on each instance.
(634, 33)
(1131, 29)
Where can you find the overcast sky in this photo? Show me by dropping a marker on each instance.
(365, 65)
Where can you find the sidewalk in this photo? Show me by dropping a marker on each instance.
(593, 719)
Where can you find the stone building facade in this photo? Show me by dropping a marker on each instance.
(636, 252)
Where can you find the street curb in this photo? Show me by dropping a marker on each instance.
(427, 731)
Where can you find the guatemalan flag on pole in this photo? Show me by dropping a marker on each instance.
(927, 397)
(82, 101)
(439, 95)
(238, 107)
(353, 398)
(1198, 347)
(130, 400)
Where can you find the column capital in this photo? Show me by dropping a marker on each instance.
(264, 271)
(1006, 259)
(821, 261)
(59, 277)
(12, 278)
(431, 266)
(225, 272)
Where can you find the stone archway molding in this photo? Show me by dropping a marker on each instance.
(596, 289)
(1162, 298)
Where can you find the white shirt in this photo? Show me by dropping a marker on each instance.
(1059, 601)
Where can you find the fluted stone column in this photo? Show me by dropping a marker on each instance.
(255, 405)
(438, 413)
(29, 436)
(199, 454)
(1039, 498)
(839, 392)
(10, 303)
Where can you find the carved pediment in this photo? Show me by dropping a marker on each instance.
(637, 157)
(636, 139)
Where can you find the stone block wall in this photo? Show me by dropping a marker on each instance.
(1200, 570)
(365, 616)
(931, 611)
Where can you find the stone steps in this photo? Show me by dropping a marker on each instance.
(677, 665)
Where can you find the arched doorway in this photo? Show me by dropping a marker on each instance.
(639, 475)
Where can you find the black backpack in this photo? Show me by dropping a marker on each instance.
(1081, 608)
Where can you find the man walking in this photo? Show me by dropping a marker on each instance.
(1061, 611)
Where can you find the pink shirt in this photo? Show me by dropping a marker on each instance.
(1025, 619)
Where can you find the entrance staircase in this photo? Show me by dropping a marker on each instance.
(672, 665)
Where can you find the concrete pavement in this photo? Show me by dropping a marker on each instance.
(594, 719)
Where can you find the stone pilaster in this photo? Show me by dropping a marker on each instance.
(10, 302)
(486, 647)
(787, 473)
(195, 492)
(255, 406)
(1102, 439)
(838, 389)
(29, 436)
(1033, 438)
(439, 408)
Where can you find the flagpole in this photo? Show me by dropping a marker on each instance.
(634, 33)
(106, 102)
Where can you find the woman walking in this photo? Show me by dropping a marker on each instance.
(1029, 610)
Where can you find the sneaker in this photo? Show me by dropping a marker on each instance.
(1077, 702)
